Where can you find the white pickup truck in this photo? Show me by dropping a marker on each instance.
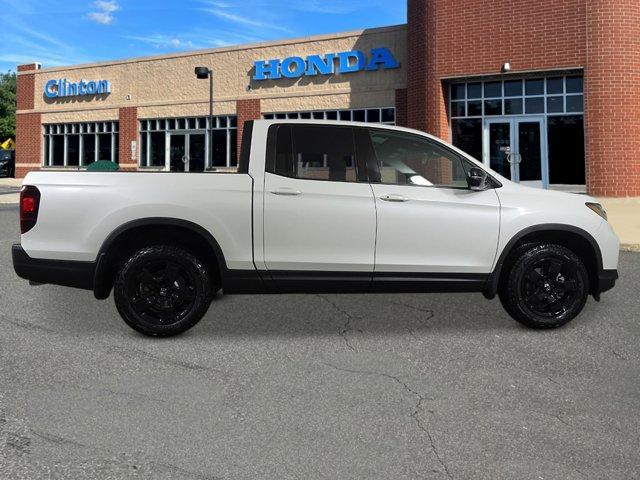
(315, 207)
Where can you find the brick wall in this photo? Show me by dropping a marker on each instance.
(128, 132)
(246, 110)
(417, 91)
(28, 125)
(25, 88)
(28, 143)
(612, 96)
(401, 107)
(474, 37)
(448, 38)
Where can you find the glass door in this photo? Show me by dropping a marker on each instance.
(498, 142)
(177, 160)
(196, 152)
(187, 152)
(515, 148)
(529, 152)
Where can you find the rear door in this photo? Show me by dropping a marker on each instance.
(429, 221)
(319, 211)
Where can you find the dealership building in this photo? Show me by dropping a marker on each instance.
(546, 93)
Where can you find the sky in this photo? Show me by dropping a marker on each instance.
(68, 32)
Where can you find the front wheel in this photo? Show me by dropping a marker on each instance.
(546, 287)
(162, 291)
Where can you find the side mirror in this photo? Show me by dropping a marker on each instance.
(477, 179)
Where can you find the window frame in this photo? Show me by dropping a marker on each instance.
(326, 114)
(492, 183)
(180, 125)
(361, 167)
(453, 103)
(82, 130)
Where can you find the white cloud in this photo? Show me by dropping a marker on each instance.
(25, 44)
(164, 41)
(217, 4)
(327, 6)
(245, 21)
(104, 11)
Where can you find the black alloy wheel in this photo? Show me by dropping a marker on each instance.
(546, 287)
(162, 291)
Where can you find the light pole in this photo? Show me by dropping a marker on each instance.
(202, 73)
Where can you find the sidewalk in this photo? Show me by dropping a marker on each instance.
(9, 188)
(624, 217)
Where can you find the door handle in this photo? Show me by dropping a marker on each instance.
(394, 198)
(514, 158)
(285, 191)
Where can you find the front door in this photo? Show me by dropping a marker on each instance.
(499, 146)
(515, 148)
(177, 160)
(530, 148)
(429, 221)
(196, 152)
(187, 152)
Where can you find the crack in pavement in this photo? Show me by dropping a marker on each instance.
(128, 353)
(553, 415)
(537, 374)
(111, 392)
(26, 325)
(430, 315)
(346, 328)
(606, 347)
(56, 440)
(137, 352)
(417, 409)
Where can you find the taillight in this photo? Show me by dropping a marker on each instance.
(29, 206)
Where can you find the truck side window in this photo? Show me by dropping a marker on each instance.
(315, 152)
(405, 159)
(283, 152)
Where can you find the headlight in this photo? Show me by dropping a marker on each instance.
(596, 207)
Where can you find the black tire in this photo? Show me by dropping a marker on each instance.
(546, 286)
(162, 291)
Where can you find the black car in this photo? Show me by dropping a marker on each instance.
(7, 163)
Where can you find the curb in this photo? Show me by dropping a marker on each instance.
(630, 247)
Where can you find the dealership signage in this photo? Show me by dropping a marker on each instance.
(64, 88)
(328, 64)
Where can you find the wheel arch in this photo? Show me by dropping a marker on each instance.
(574, 238)
(138, 233)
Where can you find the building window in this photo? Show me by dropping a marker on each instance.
(566, 149)
(79, 144)
(386, 115)
(556, 102)
(182, 144)
(549, 95)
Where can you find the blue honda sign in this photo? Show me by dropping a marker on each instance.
(328, 64)
(65, 88)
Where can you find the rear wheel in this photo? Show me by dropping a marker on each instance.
(546, 287)
(162, 291)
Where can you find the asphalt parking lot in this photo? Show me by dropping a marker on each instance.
(326, 386)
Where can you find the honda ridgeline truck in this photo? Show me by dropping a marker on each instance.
(315, 206)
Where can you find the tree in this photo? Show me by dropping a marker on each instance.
(7, 106)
